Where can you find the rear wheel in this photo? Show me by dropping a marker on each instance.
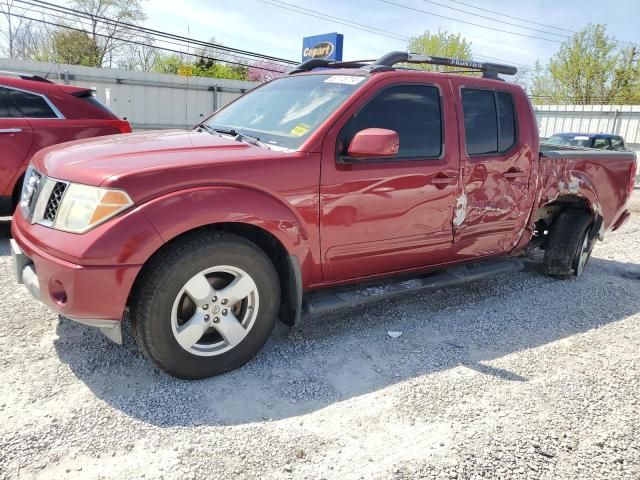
(570, 244)
(206, 305)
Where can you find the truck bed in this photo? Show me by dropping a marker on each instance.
(603, 178)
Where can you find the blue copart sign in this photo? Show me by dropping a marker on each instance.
(325, 47)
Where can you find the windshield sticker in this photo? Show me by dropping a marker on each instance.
(344, 79)
(580, 137)
(300, 129)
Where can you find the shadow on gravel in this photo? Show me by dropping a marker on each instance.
(331, 359)
(5, 234)
(5, 228)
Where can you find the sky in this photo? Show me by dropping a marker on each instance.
(260, 27)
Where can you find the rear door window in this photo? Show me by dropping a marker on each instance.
(617, 143)
(507, 122)
(8, 109)
(601, 143)
(30, 105)
(489, 121)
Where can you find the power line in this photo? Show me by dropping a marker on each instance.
(75, 12)
(385, 33)
(341, 21)
(469, 23)
(517, 18)
(512, 17)
(134, 42)
(494, 20)
(133, 31)
(165, 36)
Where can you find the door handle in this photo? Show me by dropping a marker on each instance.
(444, 180)
(382, 190)
(10, 130)
(512, 174)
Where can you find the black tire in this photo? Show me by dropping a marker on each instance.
(570, 230)
(167, 273)
(17, 193)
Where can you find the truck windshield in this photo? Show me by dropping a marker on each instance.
(285, 112)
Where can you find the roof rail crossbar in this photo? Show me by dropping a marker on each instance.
(388, 61)
(489, 70)
(319, 63)
(25, 76)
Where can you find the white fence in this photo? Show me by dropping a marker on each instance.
(153, 100)
(147, 100)
(617, 119)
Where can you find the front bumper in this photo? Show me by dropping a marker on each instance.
(25, 273)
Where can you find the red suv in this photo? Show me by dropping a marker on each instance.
(36, 113)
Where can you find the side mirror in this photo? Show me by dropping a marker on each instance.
(374, 143)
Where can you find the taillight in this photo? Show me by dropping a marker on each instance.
(124, 126)
(121, 125)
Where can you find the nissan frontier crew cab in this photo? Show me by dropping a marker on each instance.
(338, 173)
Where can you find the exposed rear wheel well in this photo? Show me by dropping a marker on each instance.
(547, 214)
(286, 267)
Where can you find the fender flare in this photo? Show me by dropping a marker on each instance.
(178, 212)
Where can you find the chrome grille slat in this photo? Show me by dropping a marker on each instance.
(53, 204)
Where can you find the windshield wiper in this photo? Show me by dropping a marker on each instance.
(206, 128)
(241, 137)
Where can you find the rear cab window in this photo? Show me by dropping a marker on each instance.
(489, 121)
(91, 99)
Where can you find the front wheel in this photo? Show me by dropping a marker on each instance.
(205, 305)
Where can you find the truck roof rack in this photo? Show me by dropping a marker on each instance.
(25, 76)
(388, 61)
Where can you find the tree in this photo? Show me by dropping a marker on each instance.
(589, 68)
(441, 44)
(168, 64)
(110, 35)
(139, 56)
(16, 26)
(264, 71)
(75, 48)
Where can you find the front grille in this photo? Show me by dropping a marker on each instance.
(53, 204)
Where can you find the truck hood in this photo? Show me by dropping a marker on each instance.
(177, 156)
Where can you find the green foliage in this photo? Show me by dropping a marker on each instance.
(589, 68)
(75, 48)
(110, 37)
(167, 64)
(222, 70)
(200, 68)
(441, 44)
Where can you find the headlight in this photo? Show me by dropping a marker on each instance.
(84, 207)
(29, 187)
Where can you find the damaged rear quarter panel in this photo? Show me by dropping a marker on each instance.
(600, 178)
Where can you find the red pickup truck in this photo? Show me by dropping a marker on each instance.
(336, 174)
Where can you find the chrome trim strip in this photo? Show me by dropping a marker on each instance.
(55, 110)
(10, 130)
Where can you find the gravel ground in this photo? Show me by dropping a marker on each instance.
(521, 376)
